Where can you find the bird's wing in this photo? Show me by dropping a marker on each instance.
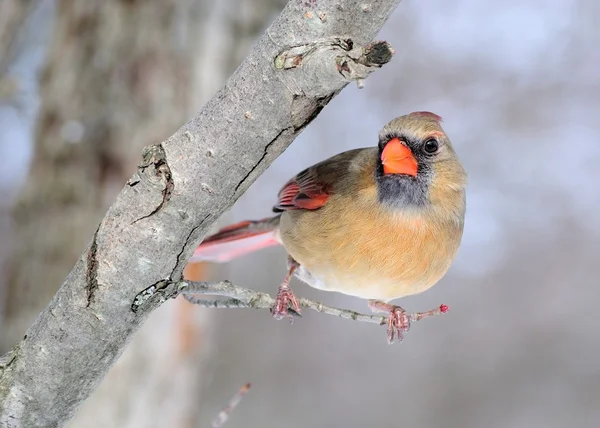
(311, 188)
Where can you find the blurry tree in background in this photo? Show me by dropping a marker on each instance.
(119, 75)
(13, 14)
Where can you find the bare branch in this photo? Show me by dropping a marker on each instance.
(181, 187)
(223, 415)
(239, 297)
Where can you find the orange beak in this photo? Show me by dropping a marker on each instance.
(398, 159)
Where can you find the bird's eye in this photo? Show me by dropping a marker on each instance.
(431, 146)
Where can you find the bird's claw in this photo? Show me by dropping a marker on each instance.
(399, 320)
(398, 323)
(285, 301)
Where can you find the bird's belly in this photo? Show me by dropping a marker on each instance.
(362, 284)
(359, 286)
(377, 261)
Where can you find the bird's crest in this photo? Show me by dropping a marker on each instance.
(426, 114)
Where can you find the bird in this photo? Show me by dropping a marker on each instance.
(378, 223)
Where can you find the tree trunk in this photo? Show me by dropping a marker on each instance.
(111, 65)
(166, 357)
(118, 77)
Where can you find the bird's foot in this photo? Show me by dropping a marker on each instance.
(285, 296)
(399, 320)
(398, 323)
(285, 300)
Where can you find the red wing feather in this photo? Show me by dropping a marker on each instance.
(287, 195)
(303, 192)
(311, 188)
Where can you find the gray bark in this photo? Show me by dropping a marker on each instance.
(117, 78)
(167, 355)
(181, 187)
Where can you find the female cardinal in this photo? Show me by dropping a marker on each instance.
(377, 223)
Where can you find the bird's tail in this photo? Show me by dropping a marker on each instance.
(236, 240)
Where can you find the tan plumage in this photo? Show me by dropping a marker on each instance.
(349, 225)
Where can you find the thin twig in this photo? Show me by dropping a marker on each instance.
(223, 415)
(239, 297)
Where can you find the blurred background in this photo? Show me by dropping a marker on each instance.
(85, 85)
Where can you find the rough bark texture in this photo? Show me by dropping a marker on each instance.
(156, 382)
(117, 78)
(106, 89)
(180, 188)
(166, 356)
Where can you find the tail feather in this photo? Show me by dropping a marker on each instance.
(237, 240)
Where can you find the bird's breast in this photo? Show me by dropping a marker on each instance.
(369, 253)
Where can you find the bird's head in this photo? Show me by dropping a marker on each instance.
(417, 166)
